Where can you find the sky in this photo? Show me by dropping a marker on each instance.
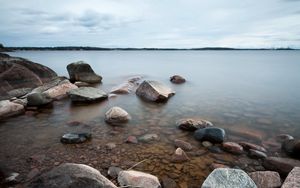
(151, 23)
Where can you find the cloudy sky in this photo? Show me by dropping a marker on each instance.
(151, 23)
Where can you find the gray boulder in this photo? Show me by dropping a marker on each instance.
(134, 178)
(8, 109)
(116, 115)
(228, 178)
(154, 91)
(87, 94)
(38, 99)
(70, 175)
(81, 71)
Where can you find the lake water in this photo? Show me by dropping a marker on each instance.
(253, 95)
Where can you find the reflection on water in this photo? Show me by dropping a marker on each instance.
(253, 95)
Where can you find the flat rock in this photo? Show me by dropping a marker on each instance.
(87, 94)
(179, 156)
(154, 91)
(233, 147)
(81, 71)
(138, 179)
(38, 99)
(247, 146)
(211, 134)
(72, 175)
(265, 179)
(183, 145)
(228, 178)
(117, 115)
(60, 90)
(293, 179)
(75, 138)
(8, 109)
(148, 138)
(281, 165)
(177, 79)
(193, 124)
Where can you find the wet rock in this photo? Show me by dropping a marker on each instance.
(71, 175)
(281, 165)
(228, 178)
(293, 179)
(138, 179)
(38, 99)
(183, 145)
(110, 145)
(87, 94)
(148, 138)
(81, 84)
(8, 109)
(176, 79)
(81, 71)
(75, 138)
(257, 154)
(60, 90)
(132, 140)
(206, 144)
(215, 149)
(168, 182)
(247, 146)
(211, 134)
(192, 124)
(265, 179)
(114, 171)
(232, 147)
(116, 115)
(124, 88)
(154, 91)
(179, 156)
(284, 137)
(291, 147)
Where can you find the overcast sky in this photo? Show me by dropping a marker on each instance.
(151, 23)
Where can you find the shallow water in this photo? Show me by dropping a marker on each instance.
(253, 95)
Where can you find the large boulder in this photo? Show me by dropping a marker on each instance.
(154, 91)
(81, 71)
(292, 147)
(87, 94)
(228, 178)
(281, 165)
(293, 179)
(117, 115)
(60, 90)
(189, 124)
(265, 179)
(134, 178)
(38, 99)
(211, 134)
(8, 109)
(70, 175)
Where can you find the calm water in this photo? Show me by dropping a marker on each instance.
(254, 95)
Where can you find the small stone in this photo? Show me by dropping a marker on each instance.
(257, 154)
(176, 79)
(265, 179)
(215, 149)
(247, 146)
(293, 179)
(284, 137)
(232, 147)
(110, 146)
(211, 134)
(179, 156)
(183, 145)
(132, 140)
(193, 124)
(207, 144)
(81, 84)
(148, 138)
(114, 171)
(75, 138)
(116, 115)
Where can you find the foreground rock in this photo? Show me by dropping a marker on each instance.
(281, 165)
(87, 94)
(154, 91)
(8, 109)
(81, 71)
(75, 138)
(134, 178)
(265, 179)
(293, 179)
(228, 178)
(211, 134)
(192, 124)
(60, 90)
(292, 147)
(38, 99)
(116, 115)
(176, 79)
(232, 147)
(70, 175)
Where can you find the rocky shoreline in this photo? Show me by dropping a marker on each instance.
(36, 86)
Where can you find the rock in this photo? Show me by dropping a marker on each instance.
(87, 94)
(38, 99)
(148, 138)
(116, 115)
(71, 175)
(291, 147)
(192, 124)
(75, 138)
(180, 156)
(257, 154)
(138, 179)
(81, 71)
(132, 140)
(211, 134)
(19, 92)
(215, 149)
(247, 146)
(183, 145)
(281, 165)
(154, 91)
(22, 102)
(8, 109)
(81, 84)
(135, 79)
(114, 171)
(176, 79)
(206, 144)
(123, 88)
(228, 178)
(110, 145)
(233, 147)
(265, 179)
(12, 178)
(34, 172)
(60, 90)
(284, 137)
(168, 182)
(293, 179)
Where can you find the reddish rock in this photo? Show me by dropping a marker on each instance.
(180, 156)
(247, 146)
(232, 147)
(265, 179)
(176, 79)
(132, 140)
(293, 179)
(247, 133)
(183, 145)
(281, 165)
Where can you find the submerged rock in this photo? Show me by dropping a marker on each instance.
(232, 147)
(123, 88)
(293, 179)
(281, 165)
(75, 138)
(154, 91)
(291, 147)
(192, 124)
(247, 146)
(131, 140)
(176, 79)
(211, 134)
(266, 179)
(87, 94)
(8, 109)
(81, 71)
(60, 90)
(228, 178)
(38, 99)
(71, 175)
(257, 154)
(134, 178)
(179, 156)
(148, 138)
(183, 145)
(116, 115)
